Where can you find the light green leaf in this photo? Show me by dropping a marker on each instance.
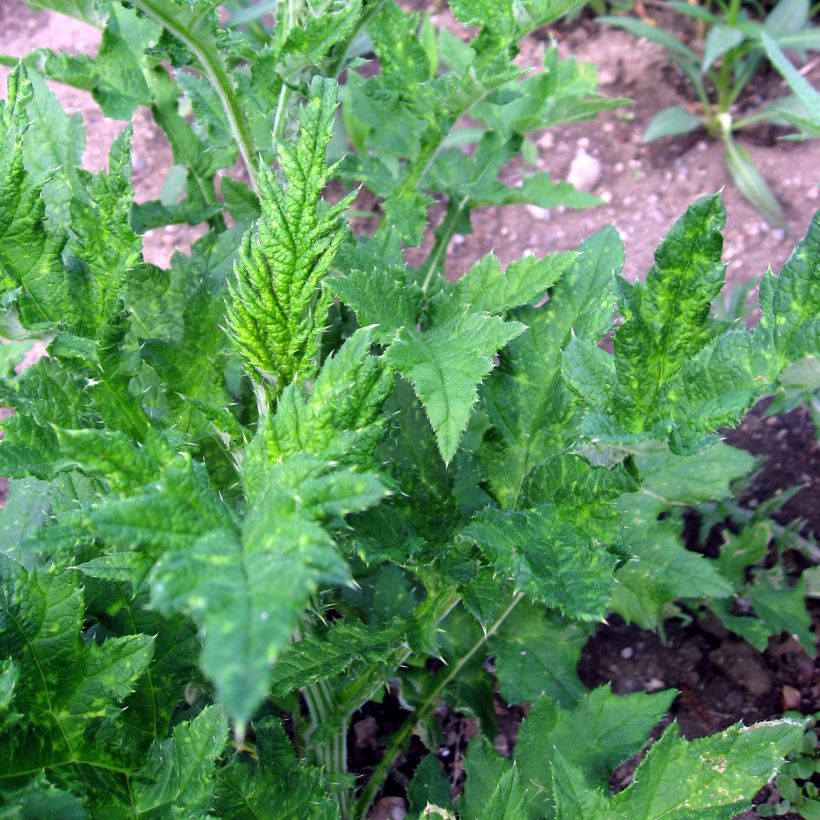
(660, 572)
(342, 419)
(31, 273)
(714, 777)
(666, 319)
(719, 39)
(525, 397)
(445, 377)
(671, 122)
(601, 731)
(797, 82)
(752, 185)
(789, 327)
(485, 288)
(277, 308)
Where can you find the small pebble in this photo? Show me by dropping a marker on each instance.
(538, 213)
(585, 171)
(458, 239)
(606, 196)
(583, 142)
(813, 192)
(546, 140)
(627, 652)
(655, 685)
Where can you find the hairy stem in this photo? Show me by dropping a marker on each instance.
(399, 740)
(215, 71)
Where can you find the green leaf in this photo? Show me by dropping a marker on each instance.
(789, 327)
(719, 39)
(485, 288)
(312, 659)
(752, 185)
(662, 571)
(31, 274)
(248, 591)
(53, 147)
(121, 85)
(713, 777)
(525, 397)
(342, 419)
(171, 514)
(669, 480)
(65, 684)
(600, 732)
(671, 122)
(666, 320)
(180, 771)
(428, 786)
(796, 81)
(445, 377)
(507, 799)
(484, 768)
(537, 653)
(277, 308)
(247, 789)
(547, 557)
(379, 298)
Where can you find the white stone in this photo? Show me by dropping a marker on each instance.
(585, 171)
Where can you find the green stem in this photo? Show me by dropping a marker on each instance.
(398, 741)
(210, 60)
(337, 66)
(435, 261)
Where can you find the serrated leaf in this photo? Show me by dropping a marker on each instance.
(525, 397)
(180, 771)
(789, 326)
(31, 273)
(537, 653)
(714, 777)
(547, 557)
(65, 683)
(248, 789)
(484, 768)
(312, 659)
(666, 320)
(446, 377)
(601, 731)
(277, 309)
(485, 288)
(341, 420)
(378, 297)
(660, 572)
(247, 591)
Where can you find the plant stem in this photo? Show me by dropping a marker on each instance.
(398, 741)
(210, 60)
(337, 66)
(444, 234)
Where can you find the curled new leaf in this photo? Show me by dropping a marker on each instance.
(277, 307)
